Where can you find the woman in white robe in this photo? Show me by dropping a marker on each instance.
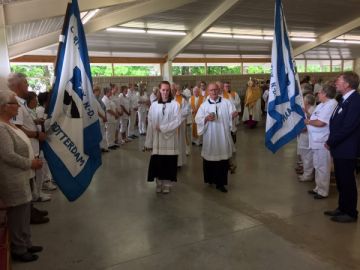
(164, 118)
(214, 122)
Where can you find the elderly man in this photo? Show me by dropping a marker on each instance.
(344, 145)
(214, 122)
(17, 83)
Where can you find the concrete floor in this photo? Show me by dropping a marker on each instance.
(266, 221)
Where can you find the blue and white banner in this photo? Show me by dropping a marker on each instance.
(72, 146)
(285, 116)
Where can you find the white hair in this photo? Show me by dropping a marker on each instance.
(5, 96)
(14, 79)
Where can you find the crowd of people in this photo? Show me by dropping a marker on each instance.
(331, 137)
(172, 119)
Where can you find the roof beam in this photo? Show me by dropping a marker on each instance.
(201, 27)
(100, 23)
(133, 12)
(26, 11)
(328, 36)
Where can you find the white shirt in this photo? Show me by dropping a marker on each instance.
(109, 105)
(217, 142)
(345, 97)
(126, 103)
(25, 119)
(134, 99)
(319, 135)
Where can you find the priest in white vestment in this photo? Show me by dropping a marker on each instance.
(185, 111)
(252, 104)
(164, 119)
(214, 123)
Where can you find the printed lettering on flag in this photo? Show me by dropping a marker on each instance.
(72, 148)
(285, 117)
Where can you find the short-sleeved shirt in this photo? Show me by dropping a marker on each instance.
(109, 105)
(319, 135)
(26, 120)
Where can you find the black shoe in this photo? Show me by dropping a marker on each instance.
(221, 188)
(36, 211)
(319, 197)
(311, 192)
(26, 257)
(344, 219)
(35, 249)
(333, 213)
(39, 220)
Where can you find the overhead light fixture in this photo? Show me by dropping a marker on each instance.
(89, 15)
(216, 35)
(352, 41)
(268, 38)
(337, 41)
(302, 39)
(248, 37)
(166, 33)
(347, 41)
(125, 30)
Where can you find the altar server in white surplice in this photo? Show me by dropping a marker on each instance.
(214, 122)
(164, 119)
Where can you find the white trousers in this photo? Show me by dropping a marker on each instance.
(142, 122)
(322, 165)
(123, 124)
(307, 159)
(110, 133)
(132, 120)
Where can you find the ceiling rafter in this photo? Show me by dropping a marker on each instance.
(201, 27)
(100, 23)
(27, 11)
(343, 29)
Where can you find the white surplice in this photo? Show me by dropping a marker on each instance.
(168, 117)
(217, 141)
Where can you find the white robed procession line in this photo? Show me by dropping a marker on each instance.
(72, 146)
(285, 116)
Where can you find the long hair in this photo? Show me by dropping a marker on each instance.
(158, 95)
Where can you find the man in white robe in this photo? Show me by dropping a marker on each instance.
(214, 122)
(185, 111)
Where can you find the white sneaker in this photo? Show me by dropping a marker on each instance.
(48, 185)
(166, 189)
(44, 198)
(301, 178)
(158, 186)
